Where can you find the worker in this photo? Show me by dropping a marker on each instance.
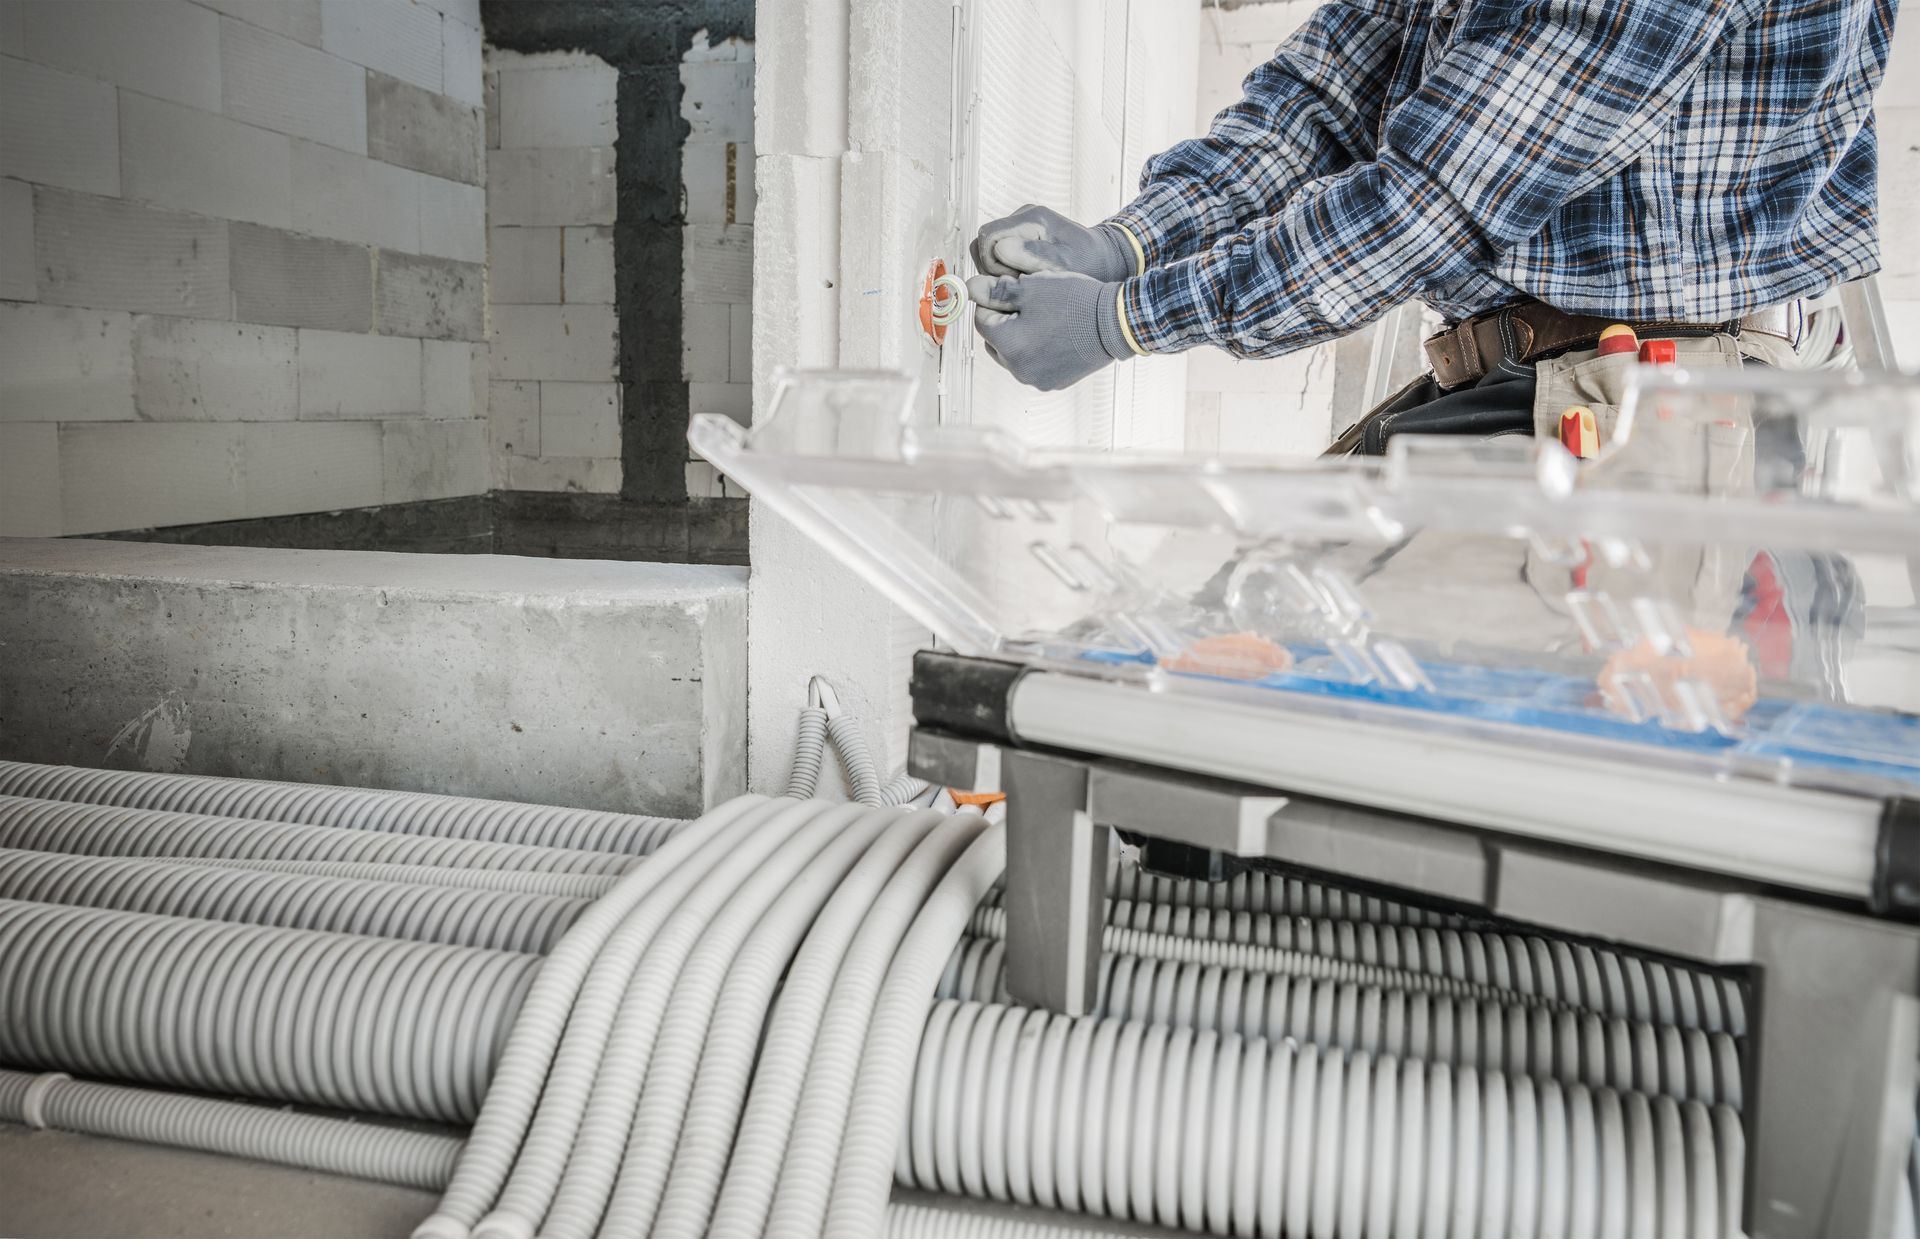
(1533, 171)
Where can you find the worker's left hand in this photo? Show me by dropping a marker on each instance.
(1036, 238)
(1051, 329)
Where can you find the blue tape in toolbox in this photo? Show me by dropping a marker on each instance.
(1808, 733)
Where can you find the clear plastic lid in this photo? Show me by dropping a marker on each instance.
(1732, 578)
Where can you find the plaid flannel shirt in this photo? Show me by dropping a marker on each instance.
(1639, 159)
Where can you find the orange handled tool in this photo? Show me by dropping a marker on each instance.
(1618, 338)
(1579, 433)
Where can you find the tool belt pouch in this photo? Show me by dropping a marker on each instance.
(1660, 454)
(1600, 383)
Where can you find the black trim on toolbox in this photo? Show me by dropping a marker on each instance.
(968, 696)
(1896, 860)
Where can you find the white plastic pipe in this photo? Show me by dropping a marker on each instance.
(1687, 1064)
(566, 885)
(289, 1014)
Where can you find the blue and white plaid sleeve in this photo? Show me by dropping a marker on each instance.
(1309, 112)
(1522, 106)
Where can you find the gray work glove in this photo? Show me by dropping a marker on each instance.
(1051, 329)
(1034, 238)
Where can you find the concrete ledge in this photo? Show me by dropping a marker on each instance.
(576, 682)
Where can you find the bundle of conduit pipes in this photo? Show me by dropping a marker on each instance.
(761, 1021)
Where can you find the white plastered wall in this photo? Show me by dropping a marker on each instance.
(857, 192)
(1898, 115)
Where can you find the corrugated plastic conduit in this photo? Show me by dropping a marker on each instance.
(1687, 1064)
(1463, 963)
(309, 1141)
(410, 813)
(294, 1015)
(107, 830)
(496, 920)
(622, 1086)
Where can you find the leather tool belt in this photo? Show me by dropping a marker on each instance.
(1528, 330)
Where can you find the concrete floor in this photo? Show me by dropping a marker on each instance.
(57, 1185)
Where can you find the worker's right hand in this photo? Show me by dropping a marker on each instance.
(1034, 238)
(1049, 330)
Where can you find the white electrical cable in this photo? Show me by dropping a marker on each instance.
(948, 300)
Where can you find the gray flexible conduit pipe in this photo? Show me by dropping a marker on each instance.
(347, 1147)
(523, 1067)
(105, 830)
(306, 1141)
(1546, 1044)
(1462, 962)
(850, 940)
(413, 813)
(1249, 1137)
(1273, 894)
(627, 1139)
(879, 1109)
(798, 1179)
(671, 919)
(863, 778)
(402, 1028)
(523, 881)
(343, 1019)
(725, 1124)
(809, 752)
(495, 920)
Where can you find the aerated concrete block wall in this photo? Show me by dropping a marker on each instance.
(242, 259)
(555, 416)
